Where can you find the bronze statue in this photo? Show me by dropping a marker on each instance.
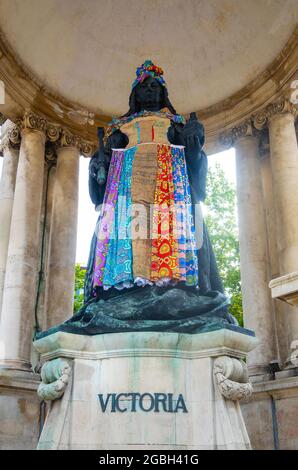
(149, 176)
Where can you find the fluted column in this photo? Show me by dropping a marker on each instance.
(19, 295)
(280, 117)
(284, 162)
(63, 233)
(257, 304)
(10, 140)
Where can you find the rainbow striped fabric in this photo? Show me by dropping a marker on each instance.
(146, 232)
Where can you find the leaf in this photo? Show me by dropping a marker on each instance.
(79, 287)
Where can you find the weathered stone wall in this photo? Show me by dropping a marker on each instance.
(19, 410)
(275, 400)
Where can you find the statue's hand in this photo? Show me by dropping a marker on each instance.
(193, 133)
(94, 166)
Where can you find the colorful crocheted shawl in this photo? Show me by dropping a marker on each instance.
(116, 123)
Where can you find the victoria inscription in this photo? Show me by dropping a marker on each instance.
(133, 402)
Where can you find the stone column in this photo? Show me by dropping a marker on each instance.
(50, 173)
(63, 234)
(22, 260)
(257, 304)
(284, 162)
(280, 117)
(280, 320)
(10, 140)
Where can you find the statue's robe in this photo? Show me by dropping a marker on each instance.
(209, 278)
(174, 308)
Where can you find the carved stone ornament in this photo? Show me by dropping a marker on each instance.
(55, 133)
(228, 138)
(55, 376)
(87, 148)
(11, 139)
(67, 139)
(231, 378)
(32, 121)
(281, 106)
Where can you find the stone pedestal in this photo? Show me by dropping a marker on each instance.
(160, 390)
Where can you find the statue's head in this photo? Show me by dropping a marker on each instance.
(149, 95)
(149, 90)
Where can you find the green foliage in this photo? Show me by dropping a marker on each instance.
(79, 287)
(221, 221)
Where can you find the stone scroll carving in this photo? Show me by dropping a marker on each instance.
(257, 122)
(54, 133)
(231, 378)
(55, 376)
(12, 138)
(280, 106)
(228, 138)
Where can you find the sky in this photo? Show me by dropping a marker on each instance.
(87, 216)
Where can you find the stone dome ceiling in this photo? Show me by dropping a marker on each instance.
(87, 50)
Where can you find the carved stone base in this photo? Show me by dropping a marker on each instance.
(167, 390)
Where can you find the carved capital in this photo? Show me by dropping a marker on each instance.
(228, 138)
(69, 140)
(282, 106)
(87, 148)
(231, 378)
(55, 376)
(32, 121)
(53, 132)
(12, 138)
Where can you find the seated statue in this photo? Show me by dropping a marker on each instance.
(151, 265)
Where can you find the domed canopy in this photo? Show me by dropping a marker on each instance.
(87, 51)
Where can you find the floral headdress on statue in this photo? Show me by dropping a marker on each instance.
(148, 69)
